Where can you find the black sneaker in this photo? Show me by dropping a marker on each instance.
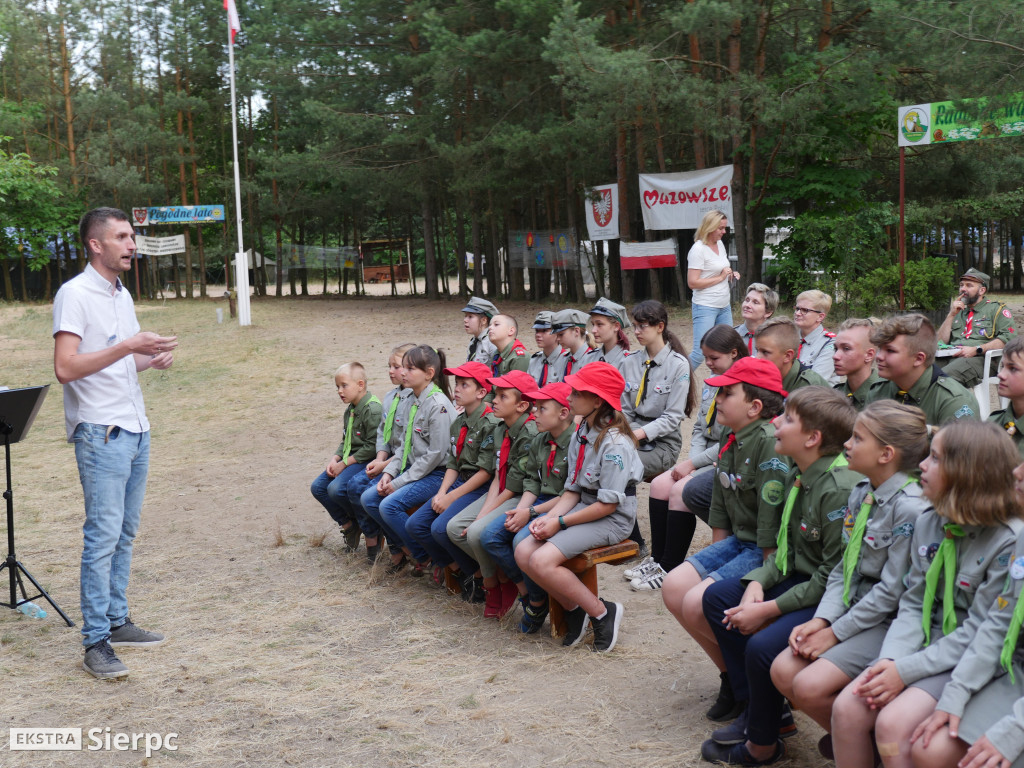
(576, 622)
(606, 630)
(130, 636)
(352, 535)
(100, 661)
(466, 586)
(372, 552)
(479, 593)
(533, 616)
(737, 754)
(726, 707)
(787, 725)
(733, 733)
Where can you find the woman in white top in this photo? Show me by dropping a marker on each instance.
(708, 274)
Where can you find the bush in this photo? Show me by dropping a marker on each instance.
(927, 286)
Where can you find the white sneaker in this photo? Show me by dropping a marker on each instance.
(639, 569)
(650, 581)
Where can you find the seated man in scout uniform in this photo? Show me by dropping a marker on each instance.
(975, 325)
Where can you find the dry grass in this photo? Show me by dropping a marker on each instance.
(284, 650)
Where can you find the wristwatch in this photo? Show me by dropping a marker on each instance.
(561, 523)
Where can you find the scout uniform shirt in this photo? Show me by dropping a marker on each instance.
(1013, 425)
(982, 558)
(877, 582)
(815, 533)
(573, 363)
(655, 396)
(513, 358)
(472, 442)
(389, 439)
(547, 369)
(361, 422)
(816, 350)
(987, 320)
(802, 376)
(429, 436)
(747, 497)
(608, 472)
(481, 350)
(511, 445)
(706, 431)
(615, 357)
(941, 398)
(547, 463)
(981, 662)
(748, 338)
(859, 398)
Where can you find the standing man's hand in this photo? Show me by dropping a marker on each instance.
(149, 343)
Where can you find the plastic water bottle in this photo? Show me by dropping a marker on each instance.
(33, 610)
(220, 315)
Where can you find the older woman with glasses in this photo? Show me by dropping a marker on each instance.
(816, 344)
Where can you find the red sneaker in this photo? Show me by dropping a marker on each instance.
(492, 603)
(509, 596)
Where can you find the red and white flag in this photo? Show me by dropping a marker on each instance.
(232, 18)
(648, 255)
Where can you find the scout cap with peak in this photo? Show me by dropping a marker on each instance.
(542, 322)
(479, 372)
(520, 380)
(976, 274)
(749, 370)
(480, 307)
(610, 309)
(556, 390)
(601, 379)
(568, 318)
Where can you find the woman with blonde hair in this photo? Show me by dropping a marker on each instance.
(708, 274)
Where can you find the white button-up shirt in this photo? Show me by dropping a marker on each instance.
(101, 315)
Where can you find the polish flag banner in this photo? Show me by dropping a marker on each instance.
(663, 253)
(229, 6)
(680, 200)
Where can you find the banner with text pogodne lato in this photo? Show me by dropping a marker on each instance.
(941, 122)
(680, 200)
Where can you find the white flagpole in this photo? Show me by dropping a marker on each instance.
(241, 262)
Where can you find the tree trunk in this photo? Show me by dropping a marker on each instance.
(429, 257)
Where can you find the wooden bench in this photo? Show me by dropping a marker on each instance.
(585, 566)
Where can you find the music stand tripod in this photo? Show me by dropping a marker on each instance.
(18, 409)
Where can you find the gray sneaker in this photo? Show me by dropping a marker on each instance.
(100, 661)
(130, 636)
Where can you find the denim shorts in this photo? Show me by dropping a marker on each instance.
(729, 558)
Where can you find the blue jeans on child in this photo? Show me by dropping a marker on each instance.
(424, 521)
(704, 319)
(729, 558)
(356, 487)
(748, 658)
(501, 544)
(113, 472)
(389, 511)
(333, 493)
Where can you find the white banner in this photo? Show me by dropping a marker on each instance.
(602, 208)
(159, 246)
(680, 200)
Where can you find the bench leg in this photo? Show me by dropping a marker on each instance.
(453, 586)
(555, 611)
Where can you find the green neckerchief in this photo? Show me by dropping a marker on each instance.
(782, 553)
(407, 445)
(1010, 643)
(852, 552)
(389, 421)
(347, 449)
(945, 561)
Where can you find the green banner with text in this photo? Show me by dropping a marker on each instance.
(941, 122)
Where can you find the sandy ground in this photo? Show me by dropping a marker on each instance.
(282, 649)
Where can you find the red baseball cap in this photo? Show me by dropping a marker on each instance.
(556, 390)
(520, 380)
(479, 372)
(751, 370)
(601, 379)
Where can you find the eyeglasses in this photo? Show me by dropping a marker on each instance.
(805, 311)
(637, 327)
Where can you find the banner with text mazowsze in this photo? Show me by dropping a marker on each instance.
(680, 200)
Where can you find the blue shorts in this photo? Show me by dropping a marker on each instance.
(729, 558)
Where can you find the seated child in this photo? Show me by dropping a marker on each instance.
(959, 558)
(608, 322)
(597, 507)
(361, 419)
(570, 328)
(543, 480)
(746, 503)
(470, 461)
(476, 317)
(546, 364)
(752, 616)
(778, 340)
(1011, 385)
(854, 358)
(510, 354)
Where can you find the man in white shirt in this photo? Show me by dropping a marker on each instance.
(98, 352)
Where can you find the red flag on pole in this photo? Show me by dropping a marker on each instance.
(232, 18)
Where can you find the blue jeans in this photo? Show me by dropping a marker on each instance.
(356, 487)
(501, 543)
(422, 523)
(389, 511)
(704, 319)
(333, 493)
(113, 473)
(729, 558)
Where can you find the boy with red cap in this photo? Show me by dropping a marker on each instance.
(597, 508)
(746, 504)
(470, 460)
(543, 481)
(512, 435)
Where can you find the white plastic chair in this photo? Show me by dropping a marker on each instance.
(983, 391)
